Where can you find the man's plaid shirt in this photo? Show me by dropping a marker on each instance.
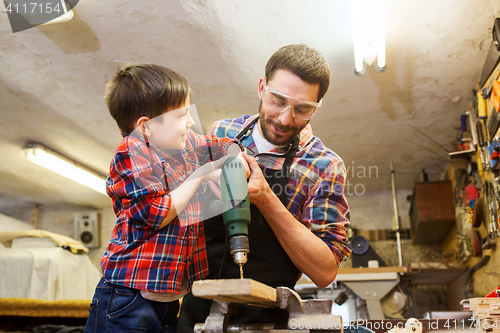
(316, 185)
(139, 254)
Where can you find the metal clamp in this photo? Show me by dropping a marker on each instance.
(309, 314)
(217, 320)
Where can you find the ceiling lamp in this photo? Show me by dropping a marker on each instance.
(57, 163)
(368, 34)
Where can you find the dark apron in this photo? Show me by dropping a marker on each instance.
(267, 261)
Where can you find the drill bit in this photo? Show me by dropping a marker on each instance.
(241, 271)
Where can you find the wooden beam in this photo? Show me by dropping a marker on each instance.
(364, 270)
(240, 291)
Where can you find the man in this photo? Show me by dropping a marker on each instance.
(296, 187)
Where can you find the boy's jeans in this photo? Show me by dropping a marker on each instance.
(120, 309)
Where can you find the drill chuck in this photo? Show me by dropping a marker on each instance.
(239, 247)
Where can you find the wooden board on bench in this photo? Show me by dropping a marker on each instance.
(240, 291)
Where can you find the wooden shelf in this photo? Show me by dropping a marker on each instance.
(434, 273)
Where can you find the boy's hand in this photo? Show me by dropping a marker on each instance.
(215, 187)
(211, 170)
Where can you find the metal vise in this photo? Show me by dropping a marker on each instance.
(304, 315)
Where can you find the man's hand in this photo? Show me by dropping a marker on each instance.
(258, 188)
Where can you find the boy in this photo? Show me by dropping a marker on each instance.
(156, 249)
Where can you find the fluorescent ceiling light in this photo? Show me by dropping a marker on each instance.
(57, 163)
(381, 35)
(368, 34)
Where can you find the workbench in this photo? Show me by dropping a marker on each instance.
(373, 284)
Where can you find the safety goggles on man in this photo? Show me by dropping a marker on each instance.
(279, 103)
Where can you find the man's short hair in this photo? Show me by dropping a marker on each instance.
(305, 62)
(149, 90)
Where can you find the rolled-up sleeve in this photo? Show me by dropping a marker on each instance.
(327, 211)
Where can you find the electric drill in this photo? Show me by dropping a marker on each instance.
(236, 205)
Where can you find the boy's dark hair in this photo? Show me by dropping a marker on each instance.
(138, 90)
(305, 62)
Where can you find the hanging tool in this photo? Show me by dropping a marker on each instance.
(492, 152)
(481, 111)
(496, 188)
(495, 96)
(492, 58)
(487, 90)
(482, 207)
(492, 225)
(496, 33)
(477, 133)
(236, 205)
(473, 235)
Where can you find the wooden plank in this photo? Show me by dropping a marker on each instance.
(365, 270)
(367, 277)
(240, 291)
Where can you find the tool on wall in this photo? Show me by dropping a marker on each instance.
(492, 151)
(475, 240)
(495, 293)
(236, 205)
(496, 33)
(496, 187)
(480, 108)
(468, 139)
(492, 225)
(480, 204)
(480, 264)
(492, 57)
(493, 123)
(485, 92)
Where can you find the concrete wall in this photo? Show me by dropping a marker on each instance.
(375, 210)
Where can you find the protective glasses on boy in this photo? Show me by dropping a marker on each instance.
(279, 103)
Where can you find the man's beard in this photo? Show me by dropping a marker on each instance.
(267, 124)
